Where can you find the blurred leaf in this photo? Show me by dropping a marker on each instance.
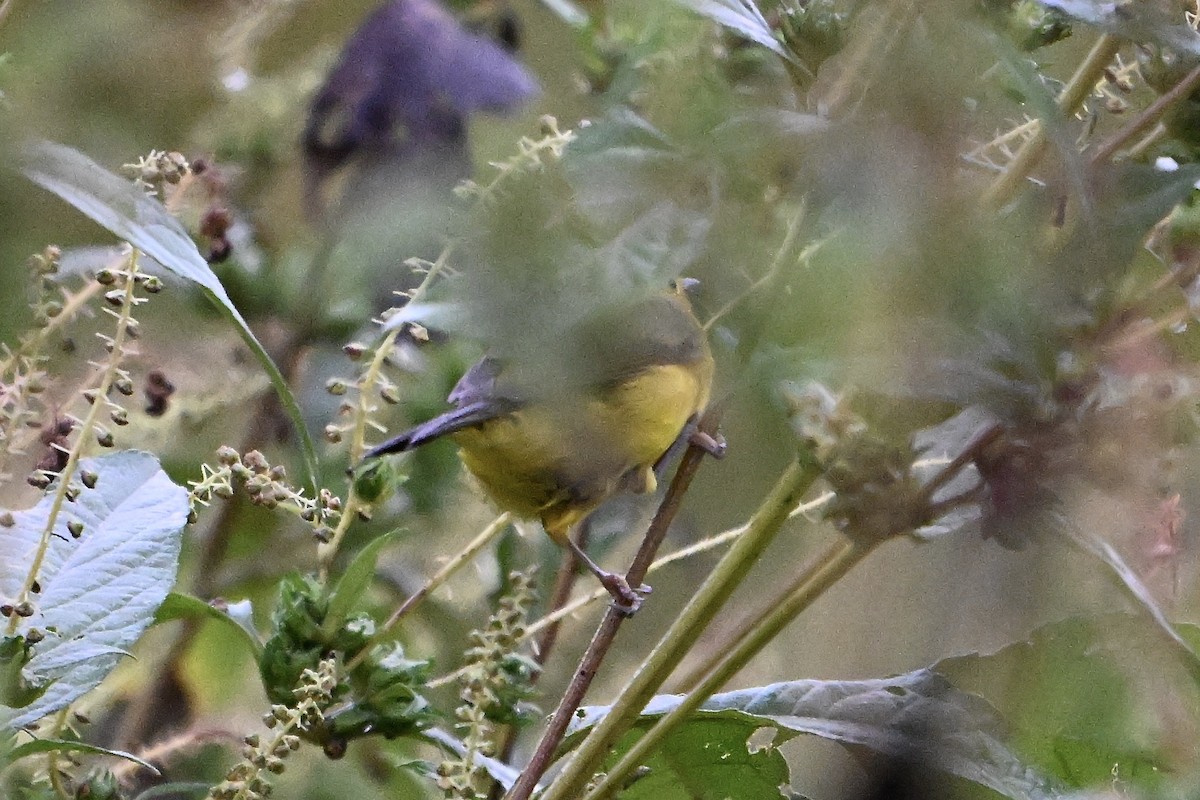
(99, 592)
(1075, 695)
(237, 616)
(174, 790)
(1138, 22)
(918, 715)
(1095, 546)
(620, 166)
(126, 211)
(69, 746)
(355, 580)
(1125, 201)
(655, 248)
(742, 16)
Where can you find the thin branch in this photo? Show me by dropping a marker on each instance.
(811, 583)
(606, 633)
(464, 556)
(1147, 118)
(826, 570)
(1072, 96)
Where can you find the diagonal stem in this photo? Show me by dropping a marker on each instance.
(710, 597)
(606, 633)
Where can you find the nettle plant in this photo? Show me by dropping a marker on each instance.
(1007, 317)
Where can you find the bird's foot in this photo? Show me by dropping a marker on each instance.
(626, 599)
(715, 446)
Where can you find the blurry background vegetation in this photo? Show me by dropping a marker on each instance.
(920, 301)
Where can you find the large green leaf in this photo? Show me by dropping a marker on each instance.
(100, 591)
(712, 757)
(915, 716)
(1088, 698)
(126, 211)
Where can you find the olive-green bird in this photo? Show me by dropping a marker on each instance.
(556, 450)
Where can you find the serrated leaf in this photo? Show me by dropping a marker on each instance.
(355, 580)
(130, 214)
(36, 746)
(656, 247)
(741, 16)
(917, 715)
(708, 759)
(98, 593)
(236, 615)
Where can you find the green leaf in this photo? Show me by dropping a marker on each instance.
(36, 746)
(1087, 698)
(130, 214)
(237, 616)
(1092, 544)
(15, 689)
(98, 592)
(355, 580)
(917, 715)
(741, 16)
(711, 757)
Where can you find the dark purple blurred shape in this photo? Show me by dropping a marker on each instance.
(402, 91)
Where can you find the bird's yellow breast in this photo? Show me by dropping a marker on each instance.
(560, 458)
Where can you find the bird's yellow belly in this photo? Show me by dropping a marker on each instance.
(558, 461)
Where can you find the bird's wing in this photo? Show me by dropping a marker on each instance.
(477, 401)
(477, 384)
(455, 420)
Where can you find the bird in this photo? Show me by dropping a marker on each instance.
(555, 449)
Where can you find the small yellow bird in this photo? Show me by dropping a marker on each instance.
(554, 449)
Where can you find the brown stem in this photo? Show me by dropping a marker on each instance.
(606, 633)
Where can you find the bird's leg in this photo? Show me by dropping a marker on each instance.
(626, 599)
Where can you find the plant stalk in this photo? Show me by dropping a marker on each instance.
(1072, 96)
(826, 570)
(606, 633)
(704, 605)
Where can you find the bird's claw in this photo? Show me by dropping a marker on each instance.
(714, 445)
(625, 599)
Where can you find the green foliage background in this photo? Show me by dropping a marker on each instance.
(837, 213)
